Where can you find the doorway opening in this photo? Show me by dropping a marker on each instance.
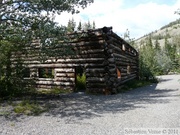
(80, 79)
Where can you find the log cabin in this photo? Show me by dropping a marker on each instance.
(106, 60)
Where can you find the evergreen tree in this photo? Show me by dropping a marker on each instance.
(164, 62)
(127, 35)
(167, 46)
(171, 51)
(176, 43)
(71, 25)
(149, 42)
(128, 39)
(157, 45)
(79, 28)
(89, 26)
(148, 57)
(94, 25)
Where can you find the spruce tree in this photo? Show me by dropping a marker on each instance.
(94, 25)
(157, 45)
(71, 25)
(79, 28)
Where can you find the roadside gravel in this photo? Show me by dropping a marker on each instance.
(154, 107)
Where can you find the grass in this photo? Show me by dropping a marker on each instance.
(54, 91)
(133, 84)
(29, 107)
(4, 113)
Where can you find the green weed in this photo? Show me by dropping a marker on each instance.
(81, 82)
(28, 107)
(4, 113)
(54, 91)
(133, 84)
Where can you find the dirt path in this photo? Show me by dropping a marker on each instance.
(143, 110)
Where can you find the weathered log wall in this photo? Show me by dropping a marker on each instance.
(100, 52)
(121, 59)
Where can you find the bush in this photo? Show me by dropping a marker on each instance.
(15, 86)
(81, 82)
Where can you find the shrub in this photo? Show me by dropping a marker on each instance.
(81, 82)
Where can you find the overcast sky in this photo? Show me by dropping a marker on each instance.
(138, 16)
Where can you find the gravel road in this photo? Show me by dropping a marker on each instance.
(146, 110)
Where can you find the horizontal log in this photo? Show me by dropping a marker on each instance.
(121, 63)
(86, 56)
(94, 79)
(87, 43)
(124, 56)
(124, 65)
(95, 74)
(133, 61)
(80, 60)
(52, 66)
(120, 82)
(65, 70)
(112, 65)
(113, 47)
(54, 83)
(94, 51)
(111, 60)
(70, 61)
(88, 47)
(96, 90)
(65, 79)
(96, 65)
(71, 87)
(112, 70)
(65, 75)
(113, 75)
(128, 76)
(95, 70)
(96, 86)
(45, 79)
(120, 56)
(78, 55)
(112, 79)
(88, 65)
(130, 61)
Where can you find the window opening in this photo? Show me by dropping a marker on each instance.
(46, 73)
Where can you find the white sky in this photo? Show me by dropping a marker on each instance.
(138, 16)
